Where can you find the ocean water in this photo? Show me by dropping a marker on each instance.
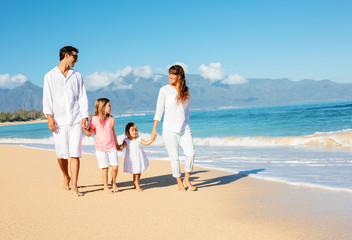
(306, 145)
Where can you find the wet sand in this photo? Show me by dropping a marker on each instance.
(23, 122)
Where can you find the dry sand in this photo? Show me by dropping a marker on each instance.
(227, 206)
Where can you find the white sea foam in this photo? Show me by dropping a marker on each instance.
(301, 184)
(131, 114)
(337, 139)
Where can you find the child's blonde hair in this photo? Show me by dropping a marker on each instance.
(99, 104)
(128, 127)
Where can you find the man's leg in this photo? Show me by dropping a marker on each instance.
(63, 163)
(74, 169)
(75, 150)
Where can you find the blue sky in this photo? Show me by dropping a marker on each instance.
(301, 39)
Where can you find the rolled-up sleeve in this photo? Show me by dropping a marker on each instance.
(160, 106)
(47, 97)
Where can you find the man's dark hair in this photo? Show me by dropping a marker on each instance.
(68, 50)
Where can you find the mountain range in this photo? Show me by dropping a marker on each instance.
(141, 94)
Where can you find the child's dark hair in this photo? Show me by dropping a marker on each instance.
(128, 127)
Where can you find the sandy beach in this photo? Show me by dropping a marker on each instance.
(227, 206)
(23, 122)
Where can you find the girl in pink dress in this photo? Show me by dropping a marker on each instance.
(102, 124)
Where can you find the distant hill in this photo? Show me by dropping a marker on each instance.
(142, 94)
(27, 96)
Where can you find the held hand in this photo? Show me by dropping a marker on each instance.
(153, 135)
(52, 124)
(119, 147)
(85, 123)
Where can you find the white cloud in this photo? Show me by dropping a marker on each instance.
(214, 71)
(98, 80)
(156, 77)
(143, 72)
(161, 70)
(124, 72)
(183, 65)
(7, 81)
(234, 79)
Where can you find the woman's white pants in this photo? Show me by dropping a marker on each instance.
(172, 142)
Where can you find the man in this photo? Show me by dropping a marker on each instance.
(65, 105)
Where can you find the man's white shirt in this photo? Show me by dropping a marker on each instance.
(65, 98)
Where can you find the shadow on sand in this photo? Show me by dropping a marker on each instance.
(168, 180)
(211, 182)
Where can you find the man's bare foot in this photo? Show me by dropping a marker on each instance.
(138, 188)
(75, 192)
(189, 185)
(66, 184)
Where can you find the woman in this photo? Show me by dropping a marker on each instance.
(173, 99)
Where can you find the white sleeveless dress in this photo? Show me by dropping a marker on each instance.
(136, 160)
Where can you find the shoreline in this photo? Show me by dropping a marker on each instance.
(226, 205)
(23, 122)
(260, 178)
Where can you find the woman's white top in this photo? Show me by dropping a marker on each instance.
(176, 115)
(136, 160)
(65, 98)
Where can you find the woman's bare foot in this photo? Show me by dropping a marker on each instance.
(181, 187)
(189, 185)
(66, 184)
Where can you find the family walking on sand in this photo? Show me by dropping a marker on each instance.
(65, 105)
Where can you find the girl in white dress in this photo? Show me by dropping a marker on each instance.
(136, 160)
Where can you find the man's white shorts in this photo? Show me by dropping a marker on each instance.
(107, 159)
(68, 141)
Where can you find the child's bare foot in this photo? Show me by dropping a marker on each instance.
(75, 192)
(107, 190)
(115, 189)
(66, 184)
(189, 185)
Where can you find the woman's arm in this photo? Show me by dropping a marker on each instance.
(154, 132)
(160, 107)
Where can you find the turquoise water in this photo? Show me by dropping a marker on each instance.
(306, 144)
